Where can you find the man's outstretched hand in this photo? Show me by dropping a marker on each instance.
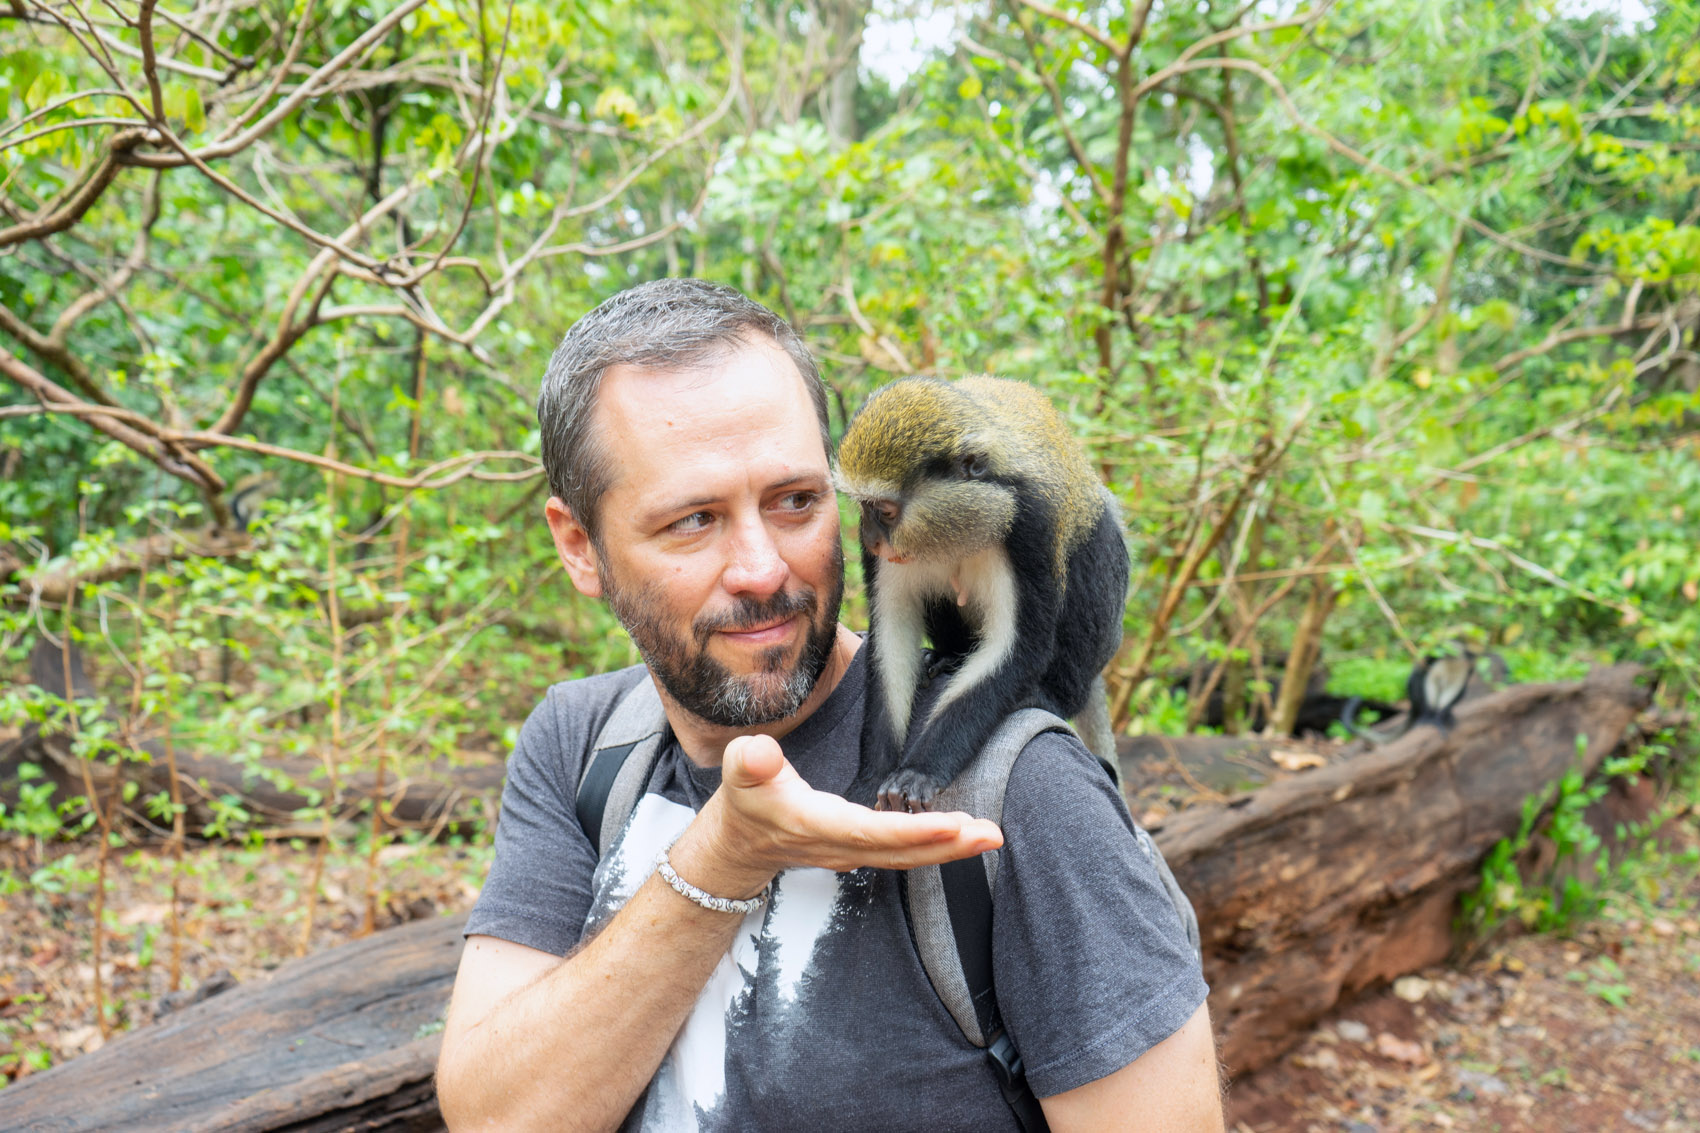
(765, 818)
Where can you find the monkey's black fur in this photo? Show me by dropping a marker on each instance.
(1435, 686)
(1066, 631)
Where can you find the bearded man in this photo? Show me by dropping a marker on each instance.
(738, 956)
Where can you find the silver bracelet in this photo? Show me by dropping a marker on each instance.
(707, 900)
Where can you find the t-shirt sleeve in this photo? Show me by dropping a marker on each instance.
(539, 888)
(1091, 961)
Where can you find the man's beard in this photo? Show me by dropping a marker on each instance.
(706, 688)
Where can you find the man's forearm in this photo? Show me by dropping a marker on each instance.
(535, 1044)
(574, 1049)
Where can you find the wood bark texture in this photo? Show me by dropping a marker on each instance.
(1314, 887)
(343, 1040)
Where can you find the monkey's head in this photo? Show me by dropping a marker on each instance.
(928, 472)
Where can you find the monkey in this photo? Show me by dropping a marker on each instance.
(247, 496)
(984, 529)
(1436, 684)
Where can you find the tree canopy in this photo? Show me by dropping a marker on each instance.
(1378, 318)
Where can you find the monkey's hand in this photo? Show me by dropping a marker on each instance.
(908, 791)
(936, 664)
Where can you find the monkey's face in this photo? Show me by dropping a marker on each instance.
(934, 517)
(926, 476)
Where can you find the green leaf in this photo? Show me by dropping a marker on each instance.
(194, 115)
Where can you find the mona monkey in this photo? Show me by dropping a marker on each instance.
(984, 530)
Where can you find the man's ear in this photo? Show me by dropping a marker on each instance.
(572, 544)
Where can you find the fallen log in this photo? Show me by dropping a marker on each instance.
(1319, 885)
(1306, 890)
(438, 796)
(345, 1039)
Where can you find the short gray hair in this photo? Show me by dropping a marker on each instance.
(663, 324)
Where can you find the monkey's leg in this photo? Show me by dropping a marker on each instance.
(1093, 723)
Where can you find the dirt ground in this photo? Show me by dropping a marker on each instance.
(243, 913)
(1592, 1031)
(1596, 1031)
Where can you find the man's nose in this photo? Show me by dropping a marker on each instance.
(756, 566)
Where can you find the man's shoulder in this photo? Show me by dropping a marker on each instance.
(1058, 786)
(1053, 756)
(566, 721)
(598, 693)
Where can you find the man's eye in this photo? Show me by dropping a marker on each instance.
(696, 521)
(798, 501)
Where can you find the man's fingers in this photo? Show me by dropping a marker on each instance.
(750, 761)
(891, 840)
(786, 823)
(972, 838)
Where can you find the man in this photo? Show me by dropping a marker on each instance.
(685, 438)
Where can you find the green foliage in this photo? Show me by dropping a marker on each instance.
(1581, 875)
(1441, 257)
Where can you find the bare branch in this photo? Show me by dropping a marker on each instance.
(320, 272)
(485, 146)
(59, 104)
(1102, 39)
(1576, 334)
(279, 74)
(150, 70)
(81, 197)
(159, 449)
(313, 85)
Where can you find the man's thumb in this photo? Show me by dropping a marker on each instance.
(750, 761)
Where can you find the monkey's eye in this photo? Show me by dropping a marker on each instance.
(974, 466)
(886, 510)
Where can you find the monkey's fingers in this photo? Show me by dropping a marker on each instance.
(908, 791)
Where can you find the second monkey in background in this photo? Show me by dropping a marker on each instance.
(986, 532)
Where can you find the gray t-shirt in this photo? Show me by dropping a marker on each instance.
(821, 1016)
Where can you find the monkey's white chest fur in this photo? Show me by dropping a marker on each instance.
(982, 585)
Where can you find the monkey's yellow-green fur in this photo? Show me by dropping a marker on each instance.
(988, 540)
(1011, 422)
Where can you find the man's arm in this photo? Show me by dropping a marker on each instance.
(1174, 1087)
(533, 1042)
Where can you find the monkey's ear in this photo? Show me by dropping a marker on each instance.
(976, 459)
(574, 547)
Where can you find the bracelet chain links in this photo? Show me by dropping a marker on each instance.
(707, 900)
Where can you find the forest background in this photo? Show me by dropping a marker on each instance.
(1378, 318)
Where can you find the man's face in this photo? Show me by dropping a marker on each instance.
(719, 546)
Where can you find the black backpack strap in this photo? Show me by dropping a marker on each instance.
(598, 782)
(968, 897)
(620, 761)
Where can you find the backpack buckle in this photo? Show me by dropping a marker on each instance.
(1006, 1059)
